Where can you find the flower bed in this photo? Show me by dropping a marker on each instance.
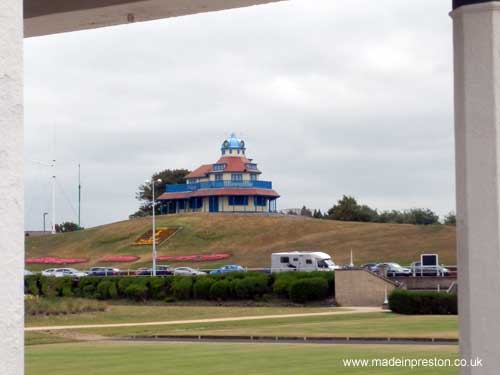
(119, 258)
(55, 260)
(194, 258)
(161, 235)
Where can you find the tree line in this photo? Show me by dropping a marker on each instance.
(348, 209)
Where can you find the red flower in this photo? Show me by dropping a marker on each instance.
(55, 260)
(193, 258)
(119, 258)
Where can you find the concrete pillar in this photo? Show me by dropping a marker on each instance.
(11, 189)
(476, 28)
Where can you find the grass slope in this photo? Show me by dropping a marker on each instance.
(251, 239)
(217, 359)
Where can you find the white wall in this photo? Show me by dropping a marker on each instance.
(11, 190)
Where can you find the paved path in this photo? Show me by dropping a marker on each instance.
(352, 310)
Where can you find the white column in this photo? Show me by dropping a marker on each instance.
(11, 189)
(477, 131)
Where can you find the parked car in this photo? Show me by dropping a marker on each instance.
(393, 269)
(161, 270)
(418, 270)
(103, 271)
(28, 273)
(48, 272)
(227, 269)
(369, 266)
(187, 271)
(68, 272)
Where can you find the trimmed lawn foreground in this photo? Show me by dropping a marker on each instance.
(220, 359)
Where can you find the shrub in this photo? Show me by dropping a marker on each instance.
(249, 287)
(103, 289)
(422, 303)
(182, 287)
(220, 290)
(31, 285)
(137, 292)
(157, 288)
(201, 287)
(113, 292)
(283, 281)
(308, 289)
(49, 287)
(122, 285)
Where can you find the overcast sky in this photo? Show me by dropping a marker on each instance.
(332, 97)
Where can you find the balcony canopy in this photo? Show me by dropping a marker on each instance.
(43, 17)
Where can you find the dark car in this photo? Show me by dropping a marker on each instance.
(393, 269)
(103, 271)
(160, 271)
(369, 266)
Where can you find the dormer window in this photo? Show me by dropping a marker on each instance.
(219, 167)
(251, 166)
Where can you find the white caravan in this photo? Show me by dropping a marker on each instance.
(302, 261)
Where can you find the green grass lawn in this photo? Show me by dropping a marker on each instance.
(353, 325)
(223, 359)
(126, 313)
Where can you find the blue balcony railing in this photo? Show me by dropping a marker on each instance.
(218, 185)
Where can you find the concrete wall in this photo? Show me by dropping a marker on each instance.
(11, 189)
(360, 288)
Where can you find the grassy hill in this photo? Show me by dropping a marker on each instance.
(251, 239)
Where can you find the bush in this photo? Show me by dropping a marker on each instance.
(182, 287)
(308, 289)
(158, 288)
(113, 291)
(103, 289)
(137, 292)
(422, 303)
(220, 290)
(201, 287)
(284, 280)
(31, 285)
(249, 287)
(45, 306)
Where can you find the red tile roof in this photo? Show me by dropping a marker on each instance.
(219, 192)
(200, 171)
(235, 164)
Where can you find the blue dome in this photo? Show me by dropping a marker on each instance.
(233, 142)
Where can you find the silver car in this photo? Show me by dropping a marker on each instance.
(187, 271)
(68, 272)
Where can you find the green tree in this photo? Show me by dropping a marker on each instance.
(450, 219)
(67, 226)
(305, 212)
(348, 209)
(318, 214)
(144, 193)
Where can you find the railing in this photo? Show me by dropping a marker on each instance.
(218, 185)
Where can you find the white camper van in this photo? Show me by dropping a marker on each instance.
(302, 261)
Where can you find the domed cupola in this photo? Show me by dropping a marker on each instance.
(233, 146)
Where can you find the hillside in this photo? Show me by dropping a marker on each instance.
(251, 239)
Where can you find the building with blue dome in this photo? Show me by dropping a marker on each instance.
(232, 184)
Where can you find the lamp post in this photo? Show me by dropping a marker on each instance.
(44, 214)
(152, 184)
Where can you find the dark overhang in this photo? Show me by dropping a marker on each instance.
(459, 3)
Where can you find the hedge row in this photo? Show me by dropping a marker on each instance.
(299, 287)
(422, 303)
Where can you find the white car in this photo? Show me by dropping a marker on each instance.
(63, 272)
(28, 273)
(48, 272)
(187, 271)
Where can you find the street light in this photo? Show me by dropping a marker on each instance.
(152, 184)
(44, 214)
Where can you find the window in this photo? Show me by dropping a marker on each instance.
(218, 177)
(219, 167)
(252, 166)
(309, 261)
(196, 203)
(260, 201)
(284, 260)
(253, 177)
(238, 200)
(236, 177)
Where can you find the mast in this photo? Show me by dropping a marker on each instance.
(79, 197)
